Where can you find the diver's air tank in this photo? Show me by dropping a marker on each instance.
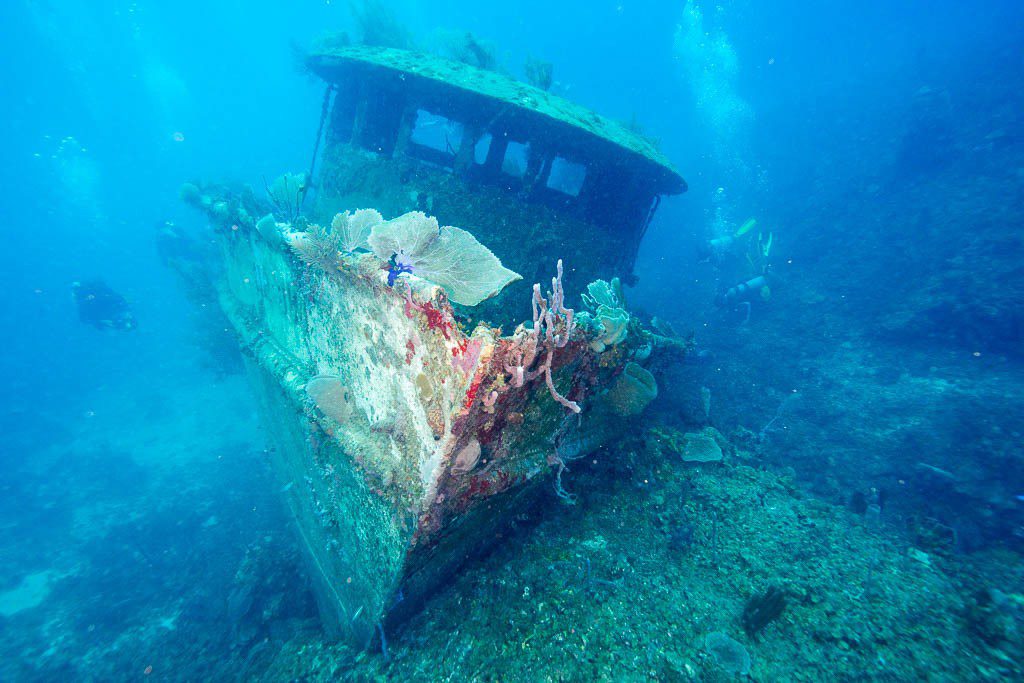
(745, 291)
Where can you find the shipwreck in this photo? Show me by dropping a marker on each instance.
(434, 321)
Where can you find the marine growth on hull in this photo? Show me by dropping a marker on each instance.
(405, 435)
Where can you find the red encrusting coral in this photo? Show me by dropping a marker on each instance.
(474, 389)
(436, 318)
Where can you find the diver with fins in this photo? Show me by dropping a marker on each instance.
(100, 306)
(717, 249)
(756, 249)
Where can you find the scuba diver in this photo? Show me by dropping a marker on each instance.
(100, 306)
(717, 249)
(747, 291)
(753, 287)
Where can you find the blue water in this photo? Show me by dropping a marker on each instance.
(877, 144)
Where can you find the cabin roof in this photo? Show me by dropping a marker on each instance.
(491, 95)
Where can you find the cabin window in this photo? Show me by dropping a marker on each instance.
(483, 146)
(516, 156)
(437, 132)
(566, 176)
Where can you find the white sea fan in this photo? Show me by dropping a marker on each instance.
(447, 256)
(354, 229)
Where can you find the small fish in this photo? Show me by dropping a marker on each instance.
(287, 486)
